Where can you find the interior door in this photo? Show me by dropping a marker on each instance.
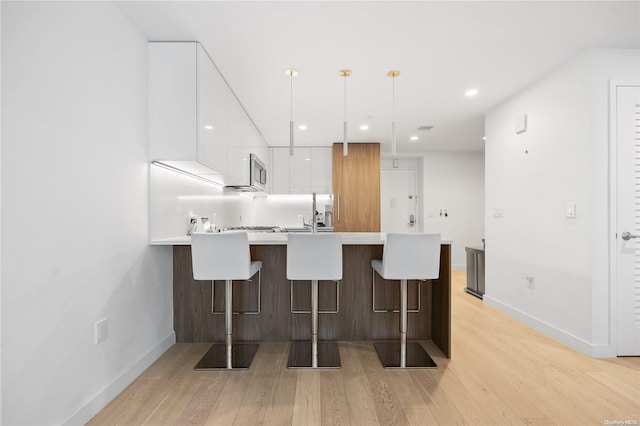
(628, 219)
(398, 200)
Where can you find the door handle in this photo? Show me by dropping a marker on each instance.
(412, 220)
(628, 235)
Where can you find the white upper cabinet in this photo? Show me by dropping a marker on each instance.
(321, 171)
(300, 171)
(279, 171)
(196, 122)
(172, 101)
(307, 171)
(214, 101)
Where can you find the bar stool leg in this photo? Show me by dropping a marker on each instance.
(403, 323)
(402, 354)
(313, 354)
(314, 323)
(228, 324)
(228, 355)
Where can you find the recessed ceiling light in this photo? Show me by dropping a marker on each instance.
(208, 127)
(364, 127)
(414, 138)
(484, 138)
(471, 92)
(307, 159)
(302, 127)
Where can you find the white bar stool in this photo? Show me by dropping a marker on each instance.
(225, 256)
(406, 257)
(314, 257)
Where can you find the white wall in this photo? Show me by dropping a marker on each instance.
(562, 157)
(75, 213)
(454, 182)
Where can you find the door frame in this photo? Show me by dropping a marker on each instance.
(419, 222)
(613, 210)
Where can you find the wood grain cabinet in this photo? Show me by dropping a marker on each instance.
(356, 188)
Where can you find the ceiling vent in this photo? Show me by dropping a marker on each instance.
(425, 128)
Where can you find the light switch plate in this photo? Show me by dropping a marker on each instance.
(521, 123)
(571, 210)
(498, 212)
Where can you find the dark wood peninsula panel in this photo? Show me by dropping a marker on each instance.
(193, 321)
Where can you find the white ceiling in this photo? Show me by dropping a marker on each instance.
(441, 48)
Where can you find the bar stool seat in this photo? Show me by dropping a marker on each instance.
(225, 256)
(314, 257)
(406, 257)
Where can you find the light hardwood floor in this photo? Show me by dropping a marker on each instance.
(501, 372)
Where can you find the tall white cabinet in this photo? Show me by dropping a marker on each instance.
(307, 171)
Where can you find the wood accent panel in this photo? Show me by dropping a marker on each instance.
(356, 187)
(193, 321)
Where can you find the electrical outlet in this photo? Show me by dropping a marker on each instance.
(100, 330)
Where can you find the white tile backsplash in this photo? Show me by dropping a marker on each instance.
(173, 196)
(284, 210)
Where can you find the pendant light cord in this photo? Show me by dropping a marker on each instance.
(394, 98)
(345, 98)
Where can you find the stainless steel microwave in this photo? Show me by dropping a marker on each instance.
(257, 177)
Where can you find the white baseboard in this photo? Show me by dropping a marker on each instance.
(580, 345)
(459, 267)
(102, 398)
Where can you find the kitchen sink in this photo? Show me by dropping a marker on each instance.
(297, 229)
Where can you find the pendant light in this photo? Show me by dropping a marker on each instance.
(345, 146)
(291, 73)
(393, 74)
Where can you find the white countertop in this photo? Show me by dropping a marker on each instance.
(280, 238)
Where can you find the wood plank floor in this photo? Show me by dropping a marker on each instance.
(501, 372)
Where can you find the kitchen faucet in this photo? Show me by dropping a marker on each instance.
(314, 224)
(314, 221)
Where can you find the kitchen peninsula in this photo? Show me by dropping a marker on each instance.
(193, 321)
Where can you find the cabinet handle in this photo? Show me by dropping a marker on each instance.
(338, 206)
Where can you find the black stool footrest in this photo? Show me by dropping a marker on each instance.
(300, 355)
(216, 357)
(417, 357)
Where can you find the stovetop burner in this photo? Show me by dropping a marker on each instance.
(253, 228)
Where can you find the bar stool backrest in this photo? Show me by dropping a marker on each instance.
(221, 256)
(314, 256)
(411, 256)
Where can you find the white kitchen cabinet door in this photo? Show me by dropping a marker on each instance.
(307, 171)
(300, 171)
(172, 101)
(213, 114)
(321, 178)
(278, 174)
